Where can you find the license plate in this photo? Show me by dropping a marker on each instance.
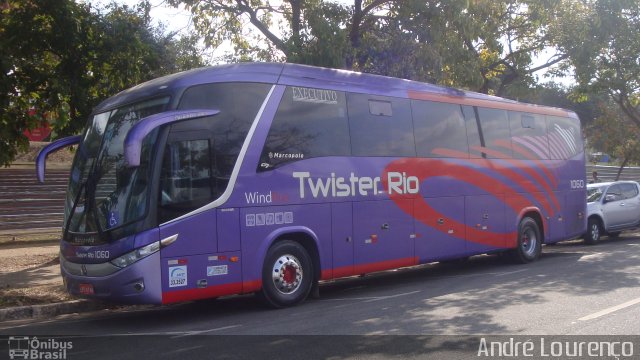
(86, 289)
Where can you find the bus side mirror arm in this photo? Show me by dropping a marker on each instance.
(41, 159)
(135, 136)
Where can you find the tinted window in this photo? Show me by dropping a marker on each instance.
(528, 136)
(594, 194)
(565, 140)
(616, 191)
(381, 108)
(309, 123)
(473, 132)
(185, 182)
(238, 103)
(494, 132)
(439, 129)
(629, 191)
(380, 126)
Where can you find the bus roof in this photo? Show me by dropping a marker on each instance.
(311, 76)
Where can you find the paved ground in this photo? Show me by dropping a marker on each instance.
(573, 292)
(573, 289)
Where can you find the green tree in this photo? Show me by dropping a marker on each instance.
(38, 40)
(59, 59)
(484, 45)
(487, 46)
(313, 32)
(613, 133)
(601, 39)
(556, 95)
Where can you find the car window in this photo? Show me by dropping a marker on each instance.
(616, 191)
(629, 191)
(594, 194)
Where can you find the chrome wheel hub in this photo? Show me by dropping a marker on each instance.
(287, 274)
(529, 242)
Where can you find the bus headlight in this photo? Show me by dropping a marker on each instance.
(135, 255)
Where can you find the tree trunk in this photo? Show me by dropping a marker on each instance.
(624, 163)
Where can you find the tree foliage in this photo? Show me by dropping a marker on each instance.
(482, 45)
(487, 46)
(556, 95)
(60, 58)
(613, 133)
(601, 39)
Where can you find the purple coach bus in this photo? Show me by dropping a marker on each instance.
(268, 178)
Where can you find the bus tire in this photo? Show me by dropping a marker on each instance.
(287, 274)
(594, 231)
(529, 242)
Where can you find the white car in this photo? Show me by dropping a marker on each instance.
(611, 208)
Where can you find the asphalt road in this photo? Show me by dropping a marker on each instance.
(573, 289)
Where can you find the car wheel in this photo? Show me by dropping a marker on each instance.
(287, 275)
(594, 231)
(529, 242)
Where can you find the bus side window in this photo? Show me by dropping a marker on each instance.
(380, 126)
(528, 136)
(439, 129)
(495, 137)
(474, 138)
(565, 140)
(185, 179)
(309, 123)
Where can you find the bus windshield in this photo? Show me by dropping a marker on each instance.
(104, 193)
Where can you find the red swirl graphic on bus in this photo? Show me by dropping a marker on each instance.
(507, 193)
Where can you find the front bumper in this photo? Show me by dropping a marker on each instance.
(138, 283)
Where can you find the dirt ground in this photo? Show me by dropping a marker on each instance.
(30, 268)
(30, 275)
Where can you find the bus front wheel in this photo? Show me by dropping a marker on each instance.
(529, 242)
(287, 274)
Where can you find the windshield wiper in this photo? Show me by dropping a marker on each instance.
(67, 225)
(89, 188)
(89, 185)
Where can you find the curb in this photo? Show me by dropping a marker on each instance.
(50, 310)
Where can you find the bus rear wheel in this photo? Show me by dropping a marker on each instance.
(529, 242)
(287, 275)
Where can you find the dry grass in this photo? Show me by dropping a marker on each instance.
(35, 295)
(30, 237)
